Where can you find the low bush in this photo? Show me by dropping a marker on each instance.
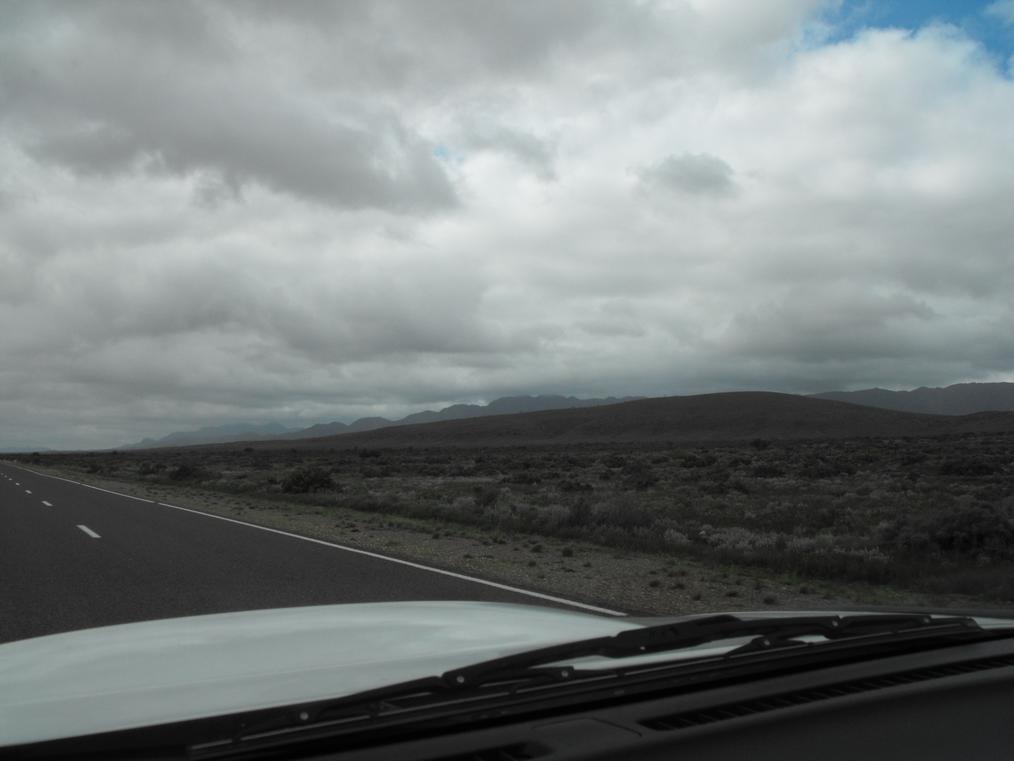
(307, 480)
(188, 472)
(968, 468)
(767, 471)
(971, 531)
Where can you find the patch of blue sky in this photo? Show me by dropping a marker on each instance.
(446, 154)
(988, 22)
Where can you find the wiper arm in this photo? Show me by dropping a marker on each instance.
(502, 678)
(769, 633)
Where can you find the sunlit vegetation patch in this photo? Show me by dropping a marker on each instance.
(933, 514)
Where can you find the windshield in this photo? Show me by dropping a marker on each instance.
(626, 309)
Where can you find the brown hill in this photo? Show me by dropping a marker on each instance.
(708, 417)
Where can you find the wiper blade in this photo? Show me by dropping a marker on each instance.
(507, 678)
(768, 633)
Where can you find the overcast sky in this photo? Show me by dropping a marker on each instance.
(309, 211)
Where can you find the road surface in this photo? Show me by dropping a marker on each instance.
(74, 556)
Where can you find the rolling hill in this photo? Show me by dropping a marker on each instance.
(224, 434)
(708, 417)
(507, 405)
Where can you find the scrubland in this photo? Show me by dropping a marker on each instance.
(928, 518)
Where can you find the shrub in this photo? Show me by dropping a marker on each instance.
(970, 531)
(676, 539)
(579, 513)
(737, 484)
(638, 475)
(974, 530)
(768, 471)
(699, 461)
(624, 514)
(187, 472)
(967, 468)
(486, 495)
(306, 480)
(572, 485)
(823, 469)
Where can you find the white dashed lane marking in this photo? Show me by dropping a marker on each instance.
(47, 504)
(88, 531)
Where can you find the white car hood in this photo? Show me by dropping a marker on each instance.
(134, 675)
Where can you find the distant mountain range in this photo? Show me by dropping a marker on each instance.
(508, 405)
(216, 434)
(959, 399)
(725, 417)
(711, 421)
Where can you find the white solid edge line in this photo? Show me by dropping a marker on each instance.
(88, 531)
(87, 486)
(409, 563)
(118, 494)
(47, 504)
(367, 553)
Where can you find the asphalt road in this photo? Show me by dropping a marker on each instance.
(74, 556)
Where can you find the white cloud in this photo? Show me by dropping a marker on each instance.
(1001, 10)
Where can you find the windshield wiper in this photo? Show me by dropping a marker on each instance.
(768, 634)
(506, 678)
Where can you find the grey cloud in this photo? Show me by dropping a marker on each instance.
(523, 146)
(297, 309)
(97, 104)
(188, 27)
(696, 174)
(837, 322)
(439, 47)
(613, 318)
(518, 35)
(95, 149)
(376, 163)
(402, 43)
